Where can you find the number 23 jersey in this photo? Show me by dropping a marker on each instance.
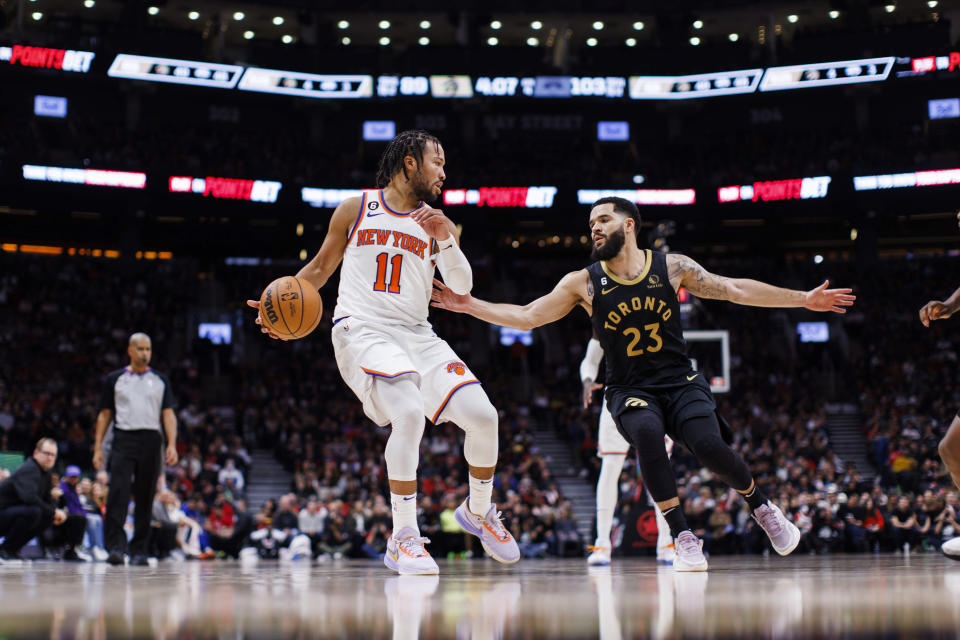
(638, 325)
(388, 267)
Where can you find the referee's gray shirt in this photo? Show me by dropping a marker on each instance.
(137, 400)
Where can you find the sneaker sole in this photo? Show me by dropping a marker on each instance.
(396, 567)
(476, 532)
(598, 563)
(683, 567)
(795, 535)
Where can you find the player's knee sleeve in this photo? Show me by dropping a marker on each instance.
(401, 401)
(471, 410)
(702, 434)
(644, 429)
(607, 485)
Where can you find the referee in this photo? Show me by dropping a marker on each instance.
(138, 400)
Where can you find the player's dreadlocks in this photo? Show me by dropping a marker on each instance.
(407, 143)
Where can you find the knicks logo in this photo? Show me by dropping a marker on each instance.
(653, 282)
(457, 367)
(635, 402)
(288, 296)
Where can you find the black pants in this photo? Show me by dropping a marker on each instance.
(68, 535)
(163, 540)
(20, 524)
(232, 545)
(134, 465)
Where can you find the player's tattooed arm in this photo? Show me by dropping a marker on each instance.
(684, 271)
(589, 290)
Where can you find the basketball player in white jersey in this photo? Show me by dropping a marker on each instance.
(612, 449)
(390, 243)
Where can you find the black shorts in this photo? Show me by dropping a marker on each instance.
(674, 404)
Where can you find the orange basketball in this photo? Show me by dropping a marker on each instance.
(290, 307)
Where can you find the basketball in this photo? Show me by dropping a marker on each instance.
(290, 307)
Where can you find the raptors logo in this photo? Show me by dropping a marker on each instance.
(647, 527)
(457, 367)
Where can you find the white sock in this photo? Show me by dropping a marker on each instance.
(480, 493)
(607, 491)
(404, 511)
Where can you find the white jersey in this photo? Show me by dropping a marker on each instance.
(388, 267)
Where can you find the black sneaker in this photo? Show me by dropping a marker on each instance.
(140, 560)
(10, 557)
(115, 558)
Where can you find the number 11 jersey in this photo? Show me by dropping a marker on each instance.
(388, 267)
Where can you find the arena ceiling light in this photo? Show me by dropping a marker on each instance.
(638, 25)
(631, 42)
(384, 41)
(496, 24)
(793, 18)
(834, 14)
(591, 42)
(239, 15)
(424, 41)
(492, 41)
(89, 4)
(536, 25)
(890, 8)
(598, 25)
(345, 40)
(733, 37)
(533, 42)
(695, 41)
(698, 24)
(932, 4)
(153, 10)
(193, 15)
(384, 24)
(278, 20)
(425, 24)
(37, 15)
(286, 39)
(248, 35)
(343, 24)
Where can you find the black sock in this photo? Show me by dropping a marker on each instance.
(675, 518)
(756, 498)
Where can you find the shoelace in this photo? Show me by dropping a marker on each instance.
(768, 518)
(414, 546)
(499, 530)
(688, 544)
(591, 548)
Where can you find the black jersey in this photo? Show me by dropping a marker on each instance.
(638, 324)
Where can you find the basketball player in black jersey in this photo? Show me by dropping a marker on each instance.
(631, 296)
(950, 445)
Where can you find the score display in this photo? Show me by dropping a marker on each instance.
(308, 85)
(552, 86)
(802, 76)
(204, 74)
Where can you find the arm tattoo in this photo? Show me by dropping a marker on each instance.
(700, 282)
(590, 289)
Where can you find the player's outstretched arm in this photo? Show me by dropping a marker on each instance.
(573, 289)
(686, 272)
(940, 309)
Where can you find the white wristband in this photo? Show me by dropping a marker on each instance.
(446, 244)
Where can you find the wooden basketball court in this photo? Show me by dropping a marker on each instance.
(916, 596)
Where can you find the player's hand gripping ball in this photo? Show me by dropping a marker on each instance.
(290, 307)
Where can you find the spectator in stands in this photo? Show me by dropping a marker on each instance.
(310, 522)
(903, 525)
(27, 507)
(335, 542)
(70, 535)
(231, 476)
(231, 540)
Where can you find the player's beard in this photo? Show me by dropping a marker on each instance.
(611, 247)
(421, 189)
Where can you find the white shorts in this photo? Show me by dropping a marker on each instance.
(365, 350)
(610, 440)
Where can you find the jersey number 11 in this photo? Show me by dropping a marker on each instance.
(396, 264)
